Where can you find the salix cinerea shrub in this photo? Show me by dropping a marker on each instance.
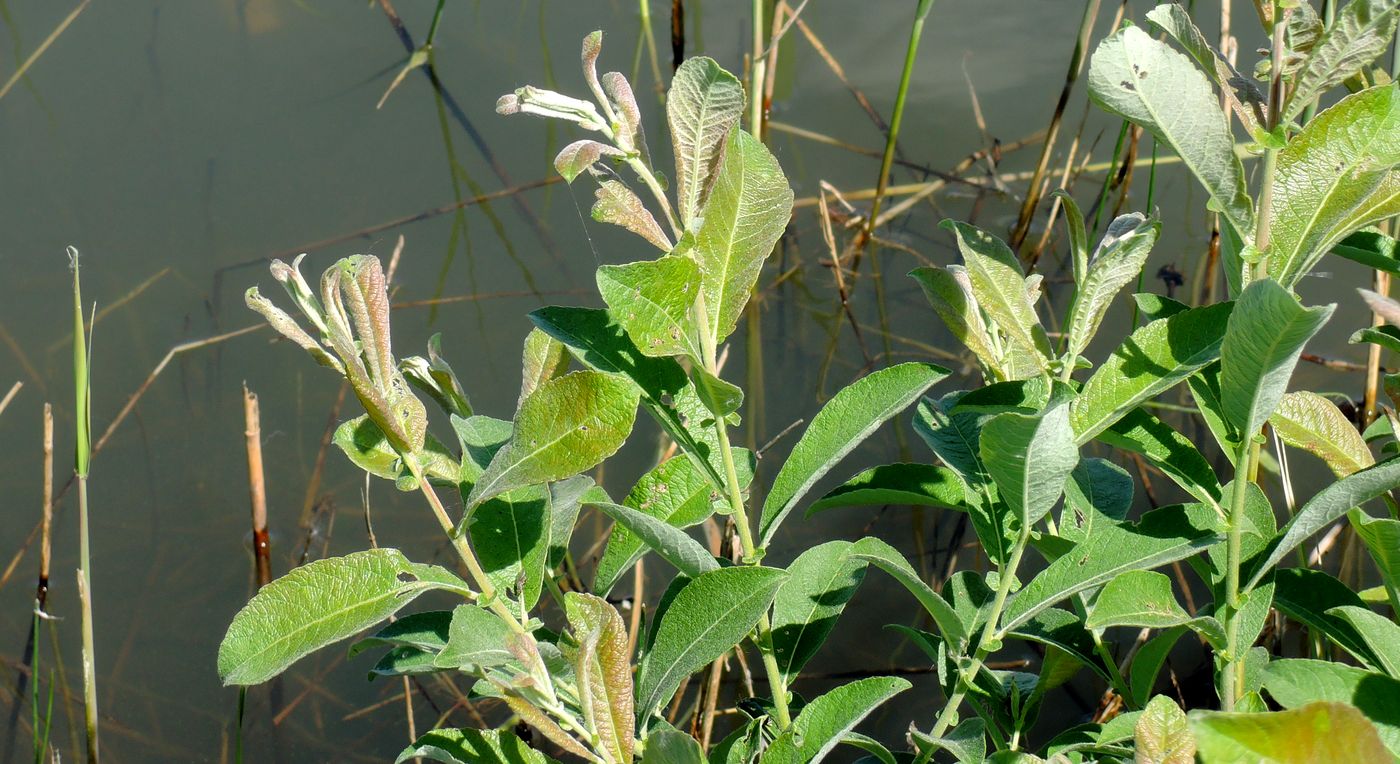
(560, 659)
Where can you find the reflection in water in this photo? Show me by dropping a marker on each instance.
(247, 126)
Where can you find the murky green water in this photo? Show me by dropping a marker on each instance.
(173, 142)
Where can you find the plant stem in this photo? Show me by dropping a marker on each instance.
(489, 594)
(82, 457)
(1247, 456)
(989, 638)
(897, 116)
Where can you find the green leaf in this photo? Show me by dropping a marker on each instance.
(1265, 335)
(1152, 360)
(618, 205)
(950, 293)
(669, 745)
(709, 615)
(1328, 505)
(719, 397)
(1371, 248)
(822, 580)
(652, 301)
(967, 741)
(1064, 631)
(1137, 598)
(468, 746)
(1098, 492)
(843, 423)
(702, 109)
(1162, 736)
(1299, 682)
(1382, 540)
(568, 424)
(674, 492)
(366, 446)
(425, 631)
(822, 723)
(480, 437)
(318, 604)
(1160, 537)
(998, 284)
(477, 638)
(1166, 449)
(1315, 732)
(1313, 423)
(671, 543)
(1362, 31)
(1143, 80)
(888, 559)
(1119, 260)
(1148, 663)
(954, 438)
(921, 485)
(603, 668)
(542, 359)
(510, 534)
(1379, 633)
(1328, 178)
(577, 157)
(1030, 457)
(1309, 596)
(602, 345)
(566, 498)
(746, 213)
(1388, 337)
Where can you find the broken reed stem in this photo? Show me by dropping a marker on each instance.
(257, 488)
(41, 592)
(1076, 65)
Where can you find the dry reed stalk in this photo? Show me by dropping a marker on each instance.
(41, 594)
(9, 396)
(43, 46)
(257, 488)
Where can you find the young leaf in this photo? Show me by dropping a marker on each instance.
(674, 492)
(469, 746)
(998, 283)
(967, 742)
(843, 423)
(1143, 80)
(1311, 597)
(720, 398)
(1137, 598)
(1119, 259)
(651, 300)
(1329, 504)
(888, 559)
(568, 425)
(954, 436)
(603, 669)
(577, 157)
(1329, 173)
(477, 638)
(1161, 735)
(823, 579)
(1065, 632)
(1362, 31)
(1098, 493)
(542, 359)
(1152, 360)
(822, 723)
(1297, 682)
(671, 543)
(1030, 457)
(708, 616)
(320, 603)
(1148, 663)
(1315, 732)
(1161, 536)
(702, 109)
(746, 213)
(1263, 339)
(923, 485)
(618, 205)
(950, 294)
(425, 631)
(1313, 423)
(366, 446)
